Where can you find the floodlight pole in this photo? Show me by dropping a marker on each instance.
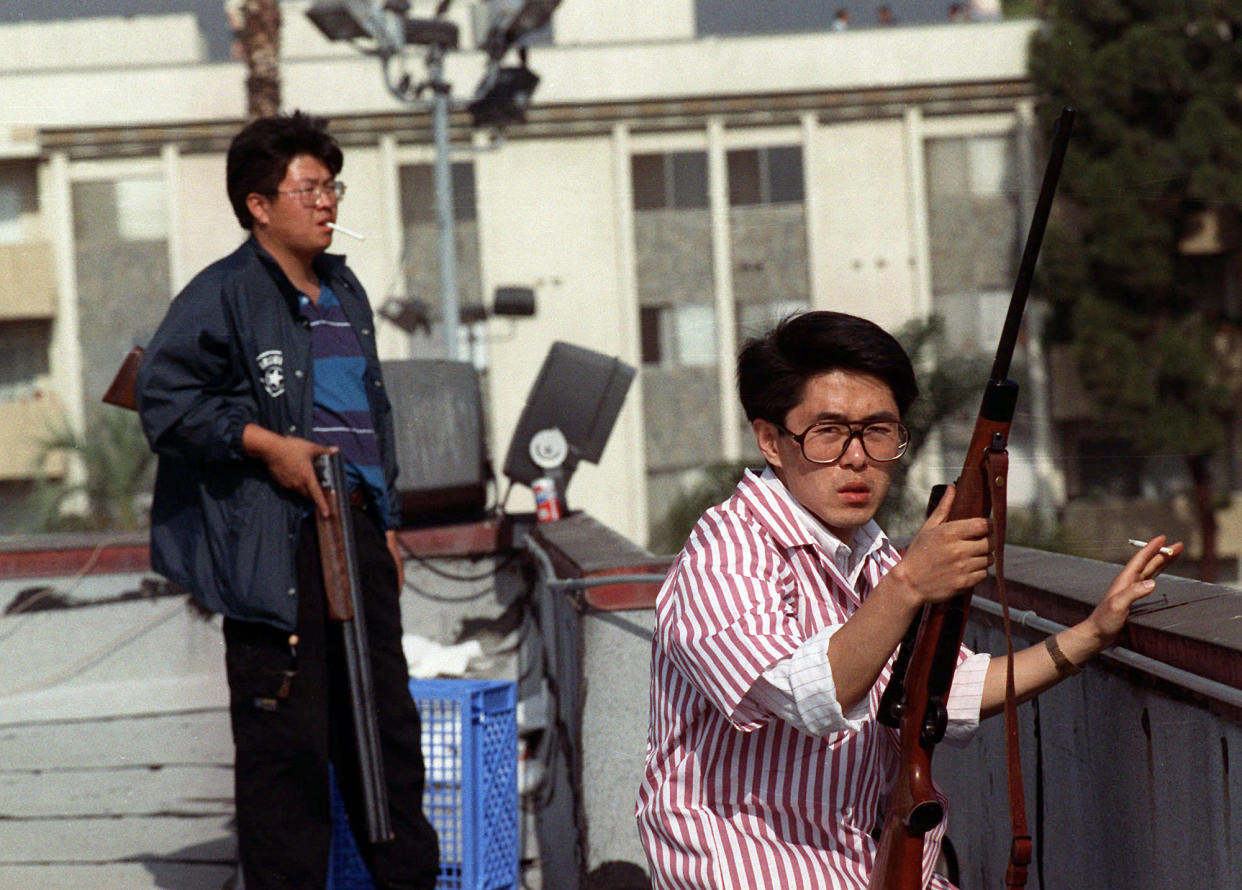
(444, 202)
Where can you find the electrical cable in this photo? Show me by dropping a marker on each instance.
(108, 649)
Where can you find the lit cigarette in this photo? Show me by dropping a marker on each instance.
(1134, 542)
(344, 231)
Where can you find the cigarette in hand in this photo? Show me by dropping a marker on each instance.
(344, 231)
(1134, 542)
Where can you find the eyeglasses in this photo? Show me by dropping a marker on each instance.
(309, 196)
(826, 442)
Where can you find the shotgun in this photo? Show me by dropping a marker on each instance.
(344, 596)
(915, 700)
(121, 390)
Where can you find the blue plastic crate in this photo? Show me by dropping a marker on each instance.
(470, 751)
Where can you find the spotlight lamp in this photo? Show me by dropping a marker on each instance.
(503, 96)
(511, 20)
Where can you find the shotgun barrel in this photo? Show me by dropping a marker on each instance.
(344, 594)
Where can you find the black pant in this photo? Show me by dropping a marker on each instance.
(285, 738)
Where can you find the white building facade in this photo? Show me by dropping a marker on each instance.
(668, 194)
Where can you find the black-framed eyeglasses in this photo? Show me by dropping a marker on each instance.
(826, 441)
(309, 196)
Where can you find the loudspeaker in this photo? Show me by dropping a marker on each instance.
(579, 393)
(441, 447)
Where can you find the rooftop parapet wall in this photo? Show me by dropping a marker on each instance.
(939, 55)
(1117, 740)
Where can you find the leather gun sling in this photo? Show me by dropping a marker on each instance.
(997, 468)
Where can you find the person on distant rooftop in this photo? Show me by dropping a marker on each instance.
(841, 21)
(777, 625)
(985, 10)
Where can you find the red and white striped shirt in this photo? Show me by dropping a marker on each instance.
(734, 798)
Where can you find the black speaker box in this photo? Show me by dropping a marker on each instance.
(441, 446)
(579, 392)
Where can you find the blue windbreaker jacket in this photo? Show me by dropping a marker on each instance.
(233, 350)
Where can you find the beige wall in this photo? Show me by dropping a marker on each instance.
(546, 215)
(865, 246)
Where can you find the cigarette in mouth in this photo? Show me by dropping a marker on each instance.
(1134, 542)
(344, 231)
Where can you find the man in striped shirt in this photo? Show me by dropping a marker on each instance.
(778, 623)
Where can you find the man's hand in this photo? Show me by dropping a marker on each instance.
(394, 547)
(290, 461)
(1132, 583)
(945, 556)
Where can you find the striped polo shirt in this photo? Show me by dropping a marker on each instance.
(732, 796)
(342, 411)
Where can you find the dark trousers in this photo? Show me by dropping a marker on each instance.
(286, 737)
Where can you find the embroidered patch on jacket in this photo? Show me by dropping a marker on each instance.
(272, 364)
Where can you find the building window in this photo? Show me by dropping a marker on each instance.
(975, 234)
(421, 255)
(418, 192)
(678, 336)
(765, 176)
(24, 356)
(674, 180)
(123, 271)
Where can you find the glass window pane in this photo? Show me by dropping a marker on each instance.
(463, 191)
(10, 213)
(689, 179)
(784, 174)
(647, 173)
(649, 321)
(696, 334)
(988, 163)
(141, 210)
(744, 187)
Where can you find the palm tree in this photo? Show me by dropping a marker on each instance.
(114, 484)
(256, 25)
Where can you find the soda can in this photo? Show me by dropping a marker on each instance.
(547, 503)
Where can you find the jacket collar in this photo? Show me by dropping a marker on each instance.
(327, 265)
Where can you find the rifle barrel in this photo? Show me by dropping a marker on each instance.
(1034, 239)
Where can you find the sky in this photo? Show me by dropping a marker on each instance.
(210, 14)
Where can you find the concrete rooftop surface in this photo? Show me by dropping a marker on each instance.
(115, 750)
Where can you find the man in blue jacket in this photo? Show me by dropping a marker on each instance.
(266, 360)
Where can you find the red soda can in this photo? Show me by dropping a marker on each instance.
(547, 504)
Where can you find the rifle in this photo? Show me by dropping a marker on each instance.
(915, 700)
(344, 594)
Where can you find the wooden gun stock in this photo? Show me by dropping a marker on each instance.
(121, 390)
(923, 672)
(344, 590)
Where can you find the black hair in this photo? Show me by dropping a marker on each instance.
(772, 370)
(260, 154)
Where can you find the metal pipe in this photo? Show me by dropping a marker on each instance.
(1211, 688)
(444, 203)
(602, 581)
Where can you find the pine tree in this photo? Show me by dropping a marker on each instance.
(1156, 156)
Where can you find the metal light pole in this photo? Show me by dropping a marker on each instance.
(444, 202)
(386, 30)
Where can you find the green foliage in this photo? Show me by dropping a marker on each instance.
(117, 467)
(1158, 142)
(715, 483)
